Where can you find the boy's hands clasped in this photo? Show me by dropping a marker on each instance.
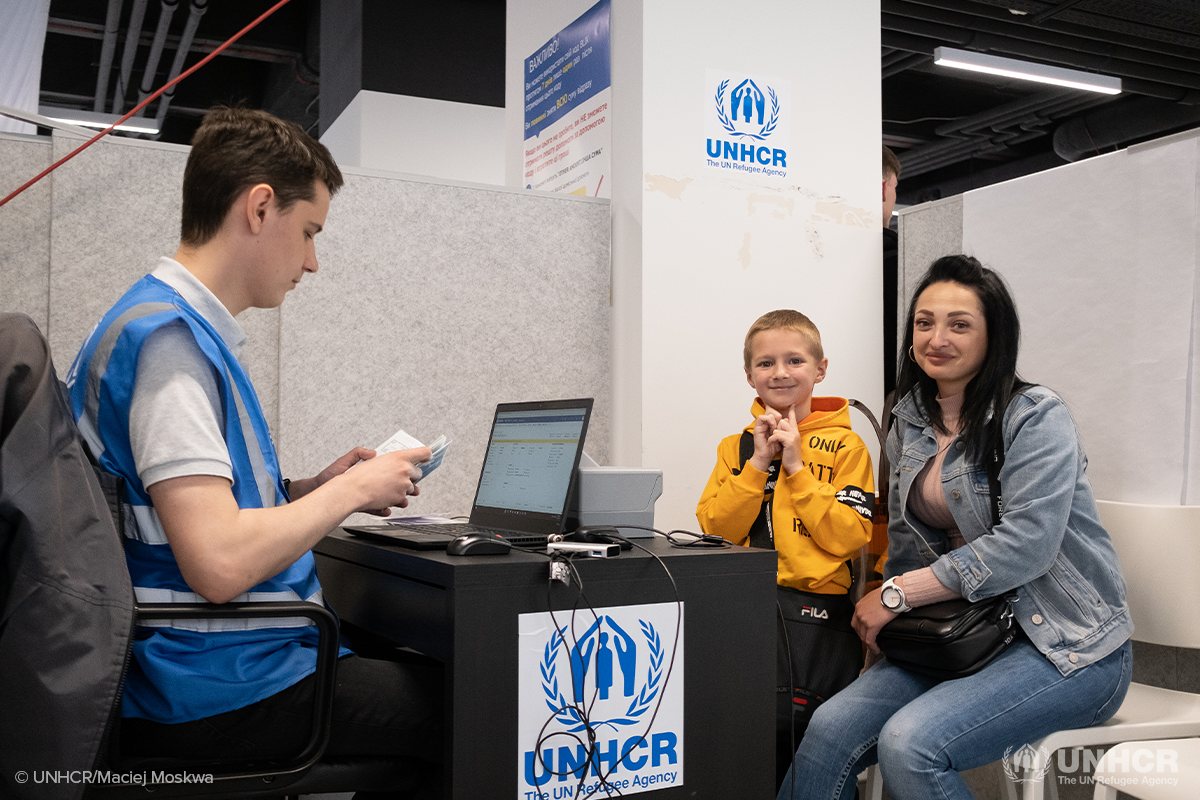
(777, 436)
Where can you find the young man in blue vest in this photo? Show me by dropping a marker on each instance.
(164, 402)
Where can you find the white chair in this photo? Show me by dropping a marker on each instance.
(1159, 551)
(1165, 769)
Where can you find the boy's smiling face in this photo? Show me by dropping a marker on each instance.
(783, 370)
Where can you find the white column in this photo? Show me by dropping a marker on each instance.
(22, 35)
(699, 253)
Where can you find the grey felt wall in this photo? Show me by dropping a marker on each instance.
(25, 229)
(927, 232)
(433, 301)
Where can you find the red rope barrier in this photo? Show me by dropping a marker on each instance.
(146, 102)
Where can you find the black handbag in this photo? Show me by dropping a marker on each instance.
(955, 638)
(951, 639)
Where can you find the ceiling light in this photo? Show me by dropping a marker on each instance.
(1026, 70)
(92, 119)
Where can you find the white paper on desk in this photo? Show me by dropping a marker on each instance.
(401, 440)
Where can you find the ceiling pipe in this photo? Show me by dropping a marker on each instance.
(1007, 114)
(195, 12)
(1010, 29)
(112, 25)
(926, 44)
(1050, 12)
(1124, 33)
(910, 61)
(137, 13)
(990, 131)
(988, 42)
(165, 15)
(1119, 124)
(891, 57)
(275, 55)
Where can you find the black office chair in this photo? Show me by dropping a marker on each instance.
(67, 614)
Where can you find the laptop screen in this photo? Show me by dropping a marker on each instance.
(530, 463)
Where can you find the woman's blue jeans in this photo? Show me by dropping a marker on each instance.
(924, 732)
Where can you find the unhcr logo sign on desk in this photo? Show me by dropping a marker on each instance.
(746, 123)
(600, 694)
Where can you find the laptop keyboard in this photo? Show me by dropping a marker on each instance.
(462, 529)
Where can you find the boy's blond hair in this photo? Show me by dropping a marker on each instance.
(791, 320)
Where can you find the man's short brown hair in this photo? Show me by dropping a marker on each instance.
(791, 320)
(236, 148)
(891, 164)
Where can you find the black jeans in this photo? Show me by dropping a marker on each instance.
(380, 707)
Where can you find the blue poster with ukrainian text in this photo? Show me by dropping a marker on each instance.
(567, 87)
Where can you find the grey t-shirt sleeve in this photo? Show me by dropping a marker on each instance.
(174, 417)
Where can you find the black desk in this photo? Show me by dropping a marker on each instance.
(463, 611)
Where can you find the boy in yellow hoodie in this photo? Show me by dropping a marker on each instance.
(799, 481)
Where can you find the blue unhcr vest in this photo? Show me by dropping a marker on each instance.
(185, 670)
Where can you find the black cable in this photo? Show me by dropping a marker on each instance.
(699, 540)
(787, 646)
(584, 713)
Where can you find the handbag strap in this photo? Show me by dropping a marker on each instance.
(993, 472)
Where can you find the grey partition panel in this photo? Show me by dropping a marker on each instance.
(433, 303)
(25, 229)
(927, 232)
(115, 211)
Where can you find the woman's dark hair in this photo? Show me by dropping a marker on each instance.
(997, 380)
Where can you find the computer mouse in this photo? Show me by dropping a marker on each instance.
(477, 544)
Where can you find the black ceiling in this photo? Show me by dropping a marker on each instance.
(953, 131)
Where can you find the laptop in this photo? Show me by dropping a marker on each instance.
(529, 470)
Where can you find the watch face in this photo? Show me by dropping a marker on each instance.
(890, 597)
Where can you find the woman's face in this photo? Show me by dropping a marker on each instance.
(949, 336)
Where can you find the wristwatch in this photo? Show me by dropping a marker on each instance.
(892, 597)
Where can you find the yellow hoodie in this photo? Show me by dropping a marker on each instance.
(821, 515)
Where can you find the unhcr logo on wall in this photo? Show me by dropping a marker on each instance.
(746, 124)
(601, 706)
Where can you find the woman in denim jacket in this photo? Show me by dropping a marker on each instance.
(1071, 662)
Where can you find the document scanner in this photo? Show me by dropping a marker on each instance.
(614, 496)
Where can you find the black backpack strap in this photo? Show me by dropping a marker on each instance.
(761, 534)
(882, 479)
(745, 450)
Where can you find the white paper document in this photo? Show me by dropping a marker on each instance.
(400, 440)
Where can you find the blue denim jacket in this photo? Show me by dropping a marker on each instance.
(1049, 544)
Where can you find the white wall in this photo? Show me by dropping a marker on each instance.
(529, 24)
(22, 35)
(419, 136)
(1102, 258)
(699, 254)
